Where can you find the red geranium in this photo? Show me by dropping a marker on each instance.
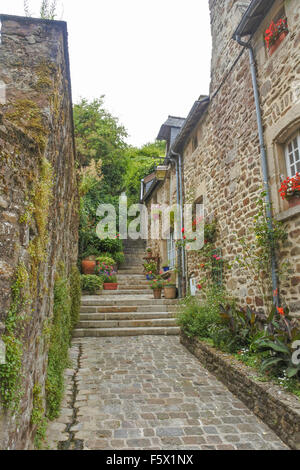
(290, 186)
(273, 32)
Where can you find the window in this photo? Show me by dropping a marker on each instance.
(195, 143)
(171, 251)
(292, 155)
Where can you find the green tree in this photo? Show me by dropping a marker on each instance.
(141, 162)
(100, 136)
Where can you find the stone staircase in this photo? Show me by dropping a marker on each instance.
(131, 310)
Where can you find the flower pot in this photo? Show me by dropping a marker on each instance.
(110, 286)
(115, 268)
(170, 292)
(166, 269)
(88, 267)
(157, 293)
(277, 42)
(294, 200)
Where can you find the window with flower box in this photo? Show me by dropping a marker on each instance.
(292, 155)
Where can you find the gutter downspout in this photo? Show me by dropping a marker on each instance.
(180, 189)
(264, 165)
(142, 190)
(178, 204)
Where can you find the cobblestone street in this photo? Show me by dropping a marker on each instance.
(149, 392)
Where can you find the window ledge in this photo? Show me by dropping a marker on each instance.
(288, 214)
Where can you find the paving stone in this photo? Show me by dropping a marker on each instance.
(120, 404)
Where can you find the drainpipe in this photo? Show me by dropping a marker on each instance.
(264, 165)
(180, 190)
(142, 190)
(178, 204)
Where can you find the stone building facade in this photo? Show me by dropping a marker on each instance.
(38, 198)
(220, 148)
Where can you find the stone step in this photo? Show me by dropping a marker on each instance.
(140, 286)
(90, 309)
(108, 332)
(102, 302)
(133, 271)
(126, 316)
(84, 324)
(117, 292)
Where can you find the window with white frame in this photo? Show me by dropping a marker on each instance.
(292, 155)
(171, 251)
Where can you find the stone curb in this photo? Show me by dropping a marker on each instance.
(280, 410)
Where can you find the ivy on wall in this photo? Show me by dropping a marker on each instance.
(10, 372)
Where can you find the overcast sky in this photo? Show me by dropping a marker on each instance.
(150, 58)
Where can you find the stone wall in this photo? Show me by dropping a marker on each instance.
(38, 198)
(279, 83)
(280, 410)
(226, 168)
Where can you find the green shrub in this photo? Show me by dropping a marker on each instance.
(108, 260)
(59, 345)
(90, 251)
(75, 292)
(91, 283)
(119, 258)
(198, 317)
(110, 245)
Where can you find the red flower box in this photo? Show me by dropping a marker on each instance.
(275, 34)
(110, 286)
(290, 190)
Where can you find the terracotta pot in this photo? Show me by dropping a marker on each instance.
(110, 286)
(294, 201)
(157, 293)
(277, 43)
(88, 266)
(170, 292)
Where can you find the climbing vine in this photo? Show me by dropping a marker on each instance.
(10, 372)
(38, 416)
(59, 345)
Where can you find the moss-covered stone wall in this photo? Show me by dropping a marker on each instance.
(38, 213)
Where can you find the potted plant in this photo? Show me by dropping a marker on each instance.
(170, 290)
(166, 267)
(88, 263)
(151, 270)
(149, 252)
(157, 285)
(91, 284)
(119, 258)
(290, 190)
(110, 281)
(275, 34)
(108, 260)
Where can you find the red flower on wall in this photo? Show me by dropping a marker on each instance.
(290, 187)
(273, 32)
